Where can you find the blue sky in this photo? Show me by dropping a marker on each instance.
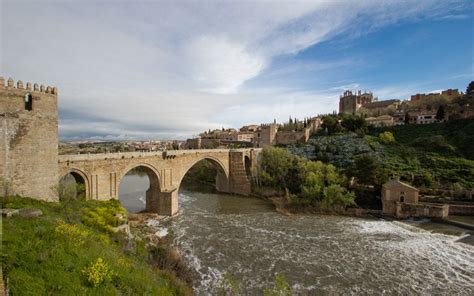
(170, 69)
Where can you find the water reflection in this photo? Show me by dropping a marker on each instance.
(132, 192)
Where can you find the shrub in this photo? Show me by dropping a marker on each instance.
(110, 214)
(74, 233)
(386, 137)
(98, 273)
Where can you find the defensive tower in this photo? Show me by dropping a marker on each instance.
(28, 140)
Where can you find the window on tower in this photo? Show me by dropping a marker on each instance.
(28, 102)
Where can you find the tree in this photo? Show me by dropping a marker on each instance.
(336, 196)
(407, 118)
(353, 123)
(368, 171)
(470, 90)
(331, 124)
(440, 113)
(276, 163)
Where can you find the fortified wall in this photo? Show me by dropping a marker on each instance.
(28, 140)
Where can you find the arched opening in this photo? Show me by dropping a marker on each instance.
(138, 189)
(72, 186)
(206, 175)
(402, 197)
(248, 167)
(28, 102)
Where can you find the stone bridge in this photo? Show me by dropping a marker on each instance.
(101, 173)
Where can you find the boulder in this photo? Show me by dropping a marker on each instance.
(9, 212)
(30, 213)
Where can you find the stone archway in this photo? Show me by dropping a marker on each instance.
(74, 184)
(152, 193)
(222, 176)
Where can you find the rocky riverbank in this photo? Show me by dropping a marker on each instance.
(148, 231)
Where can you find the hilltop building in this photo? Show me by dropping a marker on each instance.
(378, 108)
(350, 102)
(449, 93)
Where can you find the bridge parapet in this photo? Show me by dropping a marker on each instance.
(102, 173)
(162, 154)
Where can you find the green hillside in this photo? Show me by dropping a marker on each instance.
(71, 250)
(435, 155)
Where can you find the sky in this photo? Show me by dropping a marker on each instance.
(172, 69)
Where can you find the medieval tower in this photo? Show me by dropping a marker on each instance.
(28, 140)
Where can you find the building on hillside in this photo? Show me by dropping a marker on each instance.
(395, 192)
(250, 128)
(420, 97)
(425, 118)
(415, 117)
(378, 108)
(384, 120)
(449, 93)
(266, 135)
(402, 201)
(244, 136)
(399, 117)
(297, 132)
(292, 137)
(350, 102)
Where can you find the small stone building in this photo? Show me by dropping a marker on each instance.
(395, 191)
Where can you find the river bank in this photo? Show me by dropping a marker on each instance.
(77, 247)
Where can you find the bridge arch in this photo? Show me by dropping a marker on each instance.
(222, 177)
(80, 178)
(152, 193)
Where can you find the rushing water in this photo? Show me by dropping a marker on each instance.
(318, 255)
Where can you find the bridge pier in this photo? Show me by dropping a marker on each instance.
(239, 181)
(222, 183)
(163, 203)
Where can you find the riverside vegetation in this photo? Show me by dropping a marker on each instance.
(438, 157)
(72, 250)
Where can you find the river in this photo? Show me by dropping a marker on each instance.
(219, 234)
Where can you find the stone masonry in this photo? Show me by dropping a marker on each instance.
(28, 140)
(30, 165)
(101, 173)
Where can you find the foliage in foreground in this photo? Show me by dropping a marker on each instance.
(58, 254)
(308, 182)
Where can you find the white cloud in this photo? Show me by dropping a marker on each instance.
(221, 67)
(171, 69)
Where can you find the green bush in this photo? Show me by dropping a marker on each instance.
(386, 137)
(98, 272)
(105, 216)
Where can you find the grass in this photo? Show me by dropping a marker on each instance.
(58, 253)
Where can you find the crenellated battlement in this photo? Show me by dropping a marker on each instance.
(10, 84)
